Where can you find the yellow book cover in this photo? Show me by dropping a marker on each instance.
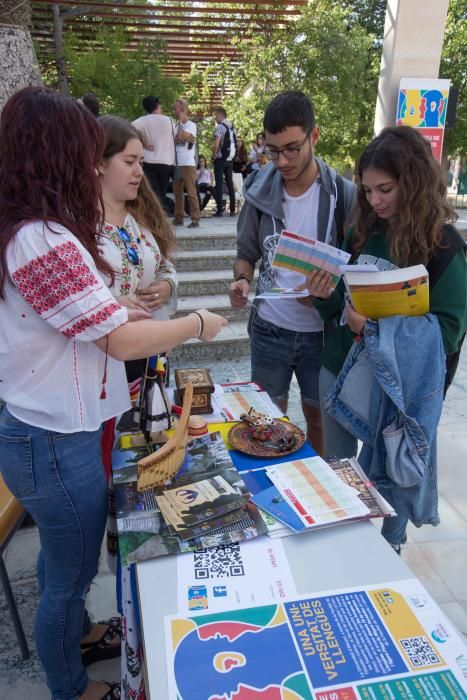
(403, 292)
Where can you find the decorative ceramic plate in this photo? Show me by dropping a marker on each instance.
(241, 439)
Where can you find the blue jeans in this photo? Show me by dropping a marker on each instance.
(338, 442)
(277, 353)
(59, 478)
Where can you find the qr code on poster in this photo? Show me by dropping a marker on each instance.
(420, 651)
(218, 562)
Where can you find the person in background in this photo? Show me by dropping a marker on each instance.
(240, 160)
(301, 190)
(91, 101)
(63, 340)
(257, 148)
(223, 152)
(185, 178)
(158, 133)
(402, 220)
(204, 182)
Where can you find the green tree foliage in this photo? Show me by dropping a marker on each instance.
(325, 54)
(120, 74)
(454, 66)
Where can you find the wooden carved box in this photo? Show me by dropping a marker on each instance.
(202, 389)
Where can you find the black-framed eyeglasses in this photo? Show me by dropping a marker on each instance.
(290, 152)
(130, 251)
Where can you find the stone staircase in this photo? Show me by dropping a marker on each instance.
(204, 266)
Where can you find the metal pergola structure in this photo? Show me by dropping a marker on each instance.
(199, 32)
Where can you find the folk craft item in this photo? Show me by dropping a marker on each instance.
(197, 426)
(257, 436)
(202, 389)
(162, 465)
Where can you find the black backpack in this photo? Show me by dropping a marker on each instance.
(451, 243)
(229, 143)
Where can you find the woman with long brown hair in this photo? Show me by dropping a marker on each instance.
(137, 239)
(402, 219)
(63, 339)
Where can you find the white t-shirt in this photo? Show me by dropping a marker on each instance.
(51, 371)
(203, 177)
(301, 216)
(185, 155)
(158, 131)
(152, 266)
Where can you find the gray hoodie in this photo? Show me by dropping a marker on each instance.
(261, 219)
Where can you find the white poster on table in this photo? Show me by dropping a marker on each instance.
(233, 576)
(378, 642)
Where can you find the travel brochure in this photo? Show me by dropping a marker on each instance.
(377, 642)
(304, 254)
(205, 505)
(312, 494)
(233, 403)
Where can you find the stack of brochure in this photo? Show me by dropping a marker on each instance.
(200, 507)
(313, 494)
(205, 505)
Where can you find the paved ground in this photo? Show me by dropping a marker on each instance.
(438, 556)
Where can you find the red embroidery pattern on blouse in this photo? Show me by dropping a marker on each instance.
(49, 279)
(92, 320)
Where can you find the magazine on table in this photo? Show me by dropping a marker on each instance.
(143, 531)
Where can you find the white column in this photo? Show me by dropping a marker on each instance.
(413, 39)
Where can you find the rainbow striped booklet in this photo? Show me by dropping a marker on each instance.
(303, 254)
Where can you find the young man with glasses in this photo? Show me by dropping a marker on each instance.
(299, 192)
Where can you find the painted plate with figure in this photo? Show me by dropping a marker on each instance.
(285, 438)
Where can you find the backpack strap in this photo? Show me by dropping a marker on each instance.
(451, 243)
(339, 211)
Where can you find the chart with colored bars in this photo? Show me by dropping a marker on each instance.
(316, 494)
(303, 254)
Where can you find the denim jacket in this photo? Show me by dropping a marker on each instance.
(389, 394)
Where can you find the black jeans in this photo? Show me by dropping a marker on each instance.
(159, 175)
(206, 190)
(224, 168)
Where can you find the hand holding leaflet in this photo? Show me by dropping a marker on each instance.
(303, 254)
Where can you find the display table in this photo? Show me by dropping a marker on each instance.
(339, 557)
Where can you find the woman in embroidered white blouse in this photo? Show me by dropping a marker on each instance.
(136, 239)
(63, 340)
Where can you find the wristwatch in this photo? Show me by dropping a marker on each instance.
(242, 277)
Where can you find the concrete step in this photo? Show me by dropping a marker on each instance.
(231, 343)
(191, 260)
(203, 282)
(209, 240)
(213, 233)
(217, 303)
